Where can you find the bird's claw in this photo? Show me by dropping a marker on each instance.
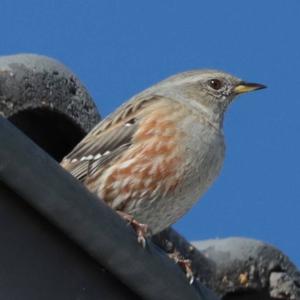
(185, 264)
(142, 230)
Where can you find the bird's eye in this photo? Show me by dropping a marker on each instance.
(216, 84)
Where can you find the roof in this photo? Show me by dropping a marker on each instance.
(59, 241)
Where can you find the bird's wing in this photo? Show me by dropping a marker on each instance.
(108, 140)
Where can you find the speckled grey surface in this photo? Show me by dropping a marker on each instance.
(246, 264)
(238, 268)
(30, 81)
(46, 101)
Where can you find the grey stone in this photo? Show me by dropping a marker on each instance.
(249, 265)
(237, 268)
(46, 101)
(282, 286)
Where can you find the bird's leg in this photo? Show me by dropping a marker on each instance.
(142, 230)
(184, 263)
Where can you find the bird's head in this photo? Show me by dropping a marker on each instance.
(210, 91)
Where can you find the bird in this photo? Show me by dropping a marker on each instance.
(158, 153)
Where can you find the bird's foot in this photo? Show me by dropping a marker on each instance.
(184, 263)
(142, 230)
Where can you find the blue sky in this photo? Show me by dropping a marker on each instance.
(118, 48)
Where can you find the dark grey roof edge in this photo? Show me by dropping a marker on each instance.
(38, 179)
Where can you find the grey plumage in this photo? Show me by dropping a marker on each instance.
(168, 141)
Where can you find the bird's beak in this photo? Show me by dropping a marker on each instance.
(245, 87)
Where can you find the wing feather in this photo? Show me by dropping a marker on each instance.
(107, 141)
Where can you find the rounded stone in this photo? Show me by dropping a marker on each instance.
(46, 101)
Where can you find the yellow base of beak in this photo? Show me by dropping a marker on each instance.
(245, 87)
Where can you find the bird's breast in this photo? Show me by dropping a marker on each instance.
(171, 162)
(151, 168)
(204, 151)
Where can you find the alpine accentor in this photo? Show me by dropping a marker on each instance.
(156, 155)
